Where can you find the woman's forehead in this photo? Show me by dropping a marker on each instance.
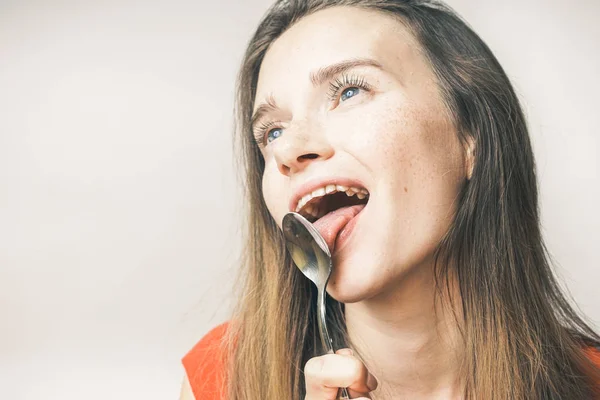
(332, 36)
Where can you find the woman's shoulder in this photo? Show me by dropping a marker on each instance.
(593, 353)
(205, 365)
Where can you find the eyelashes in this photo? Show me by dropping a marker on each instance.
(263, 133)
(337, 87)
(346, 82)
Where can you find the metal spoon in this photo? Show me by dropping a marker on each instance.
(310, 253)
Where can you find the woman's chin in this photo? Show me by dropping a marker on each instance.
(352, 278)
(351, 289)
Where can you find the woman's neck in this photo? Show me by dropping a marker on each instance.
(408, 341)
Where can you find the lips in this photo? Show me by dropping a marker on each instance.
(330, 225)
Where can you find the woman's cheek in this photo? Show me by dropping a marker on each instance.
(380, 138)
(380, 120)
(272, 187)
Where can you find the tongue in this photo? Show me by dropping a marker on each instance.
(330, 225)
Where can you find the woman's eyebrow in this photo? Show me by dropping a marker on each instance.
(317, 78)
(325, 74)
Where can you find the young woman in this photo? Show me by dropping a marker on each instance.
(442, 287)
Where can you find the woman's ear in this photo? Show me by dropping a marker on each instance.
(469, 156)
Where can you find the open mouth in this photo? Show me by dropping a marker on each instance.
(331, 198)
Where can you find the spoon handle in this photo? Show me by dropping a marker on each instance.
(322, 323)
(325, 338)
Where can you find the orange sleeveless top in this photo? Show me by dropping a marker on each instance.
(205, 365)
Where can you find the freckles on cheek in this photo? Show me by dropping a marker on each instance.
(412, 143)
(391, 137)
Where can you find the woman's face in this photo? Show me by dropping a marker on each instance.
(375, 122)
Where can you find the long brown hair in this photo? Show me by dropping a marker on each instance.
(523, 340)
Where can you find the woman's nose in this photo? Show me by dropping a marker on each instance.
(294, 152)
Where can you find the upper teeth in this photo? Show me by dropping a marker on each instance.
(320, 192)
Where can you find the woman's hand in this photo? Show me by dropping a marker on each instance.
(324, 376)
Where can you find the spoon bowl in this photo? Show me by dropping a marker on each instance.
(307, 248)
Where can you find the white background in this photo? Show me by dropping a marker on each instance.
(118, 221)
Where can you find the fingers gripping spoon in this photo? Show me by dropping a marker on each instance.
(311, 255)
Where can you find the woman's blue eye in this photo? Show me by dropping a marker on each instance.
(274, 134)
(350, 92)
